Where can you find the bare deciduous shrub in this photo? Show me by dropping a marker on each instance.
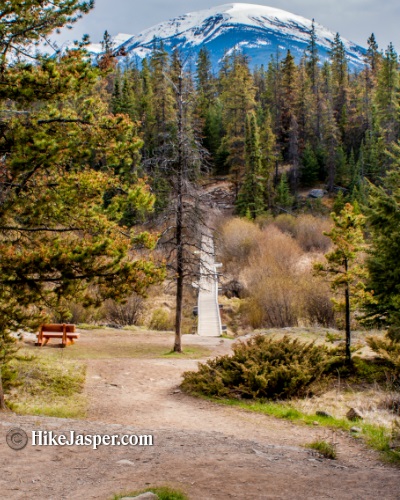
(274, 272)
(274, 303)
(237, 239)
(317, 304)
(271, 282)
(124, 313)
(309, 233)
(286, 223)
(391, 402)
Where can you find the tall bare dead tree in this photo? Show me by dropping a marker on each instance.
(184, 220)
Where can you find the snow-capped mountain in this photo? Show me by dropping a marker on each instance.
(255, 30)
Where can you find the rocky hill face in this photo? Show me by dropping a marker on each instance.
(255, 30)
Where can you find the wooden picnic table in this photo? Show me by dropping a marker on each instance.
(65, 332)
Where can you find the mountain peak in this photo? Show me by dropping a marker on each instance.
(258, 31)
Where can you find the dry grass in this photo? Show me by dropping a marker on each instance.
(49, 386)
(114, 344)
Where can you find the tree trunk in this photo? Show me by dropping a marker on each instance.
(3, 406)
(348, 327)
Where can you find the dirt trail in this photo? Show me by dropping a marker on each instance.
(209, 451)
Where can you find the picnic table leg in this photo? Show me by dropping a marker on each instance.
(39, 341)
(64, 337)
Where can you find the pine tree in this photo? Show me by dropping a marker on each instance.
(342, 266)
(62, 153)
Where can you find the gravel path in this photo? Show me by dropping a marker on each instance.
(207, 450)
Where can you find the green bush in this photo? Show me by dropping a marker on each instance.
(388, 349)
(261, 368)
(161, 320)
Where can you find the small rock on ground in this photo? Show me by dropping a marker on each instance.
(324, 414)
(354, 414)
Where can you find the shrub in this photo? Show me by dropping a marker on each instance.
(161, 320)
(270, 269)
(125, 313)
(388, 349)
(309, 233)
(262, 367)
(318, 308)
(274, 303)
(237, 239)
(286, 223)
(391, 402)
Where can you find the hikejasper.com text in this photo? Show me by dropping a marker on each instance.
(72, 438)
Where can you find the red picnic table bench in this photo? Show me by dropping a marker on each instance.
(64, 332)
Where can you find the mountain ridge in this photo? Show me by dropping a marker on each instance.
(257, 31)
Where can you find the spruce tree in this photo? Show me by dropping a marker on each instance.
(383, 217)
(373, 56)
(309, 167)
(283, 197)
(313, 58)
(238, 99)
(269, 157)
(252, 193)
(387, 99)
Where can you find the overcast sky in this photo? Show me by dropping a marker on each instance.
(353, 19)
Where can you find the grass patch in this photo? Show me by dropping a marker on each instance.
(48, 386)
(163, 493)
(327, 450)
(189, 353)
(377, 437)
(123, 345)
(227, 337)
(87, 326)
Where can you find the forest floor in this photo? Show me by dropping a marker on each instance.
(207, 450)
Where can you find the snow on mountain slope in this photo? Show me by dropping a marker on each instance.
(256, 30)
